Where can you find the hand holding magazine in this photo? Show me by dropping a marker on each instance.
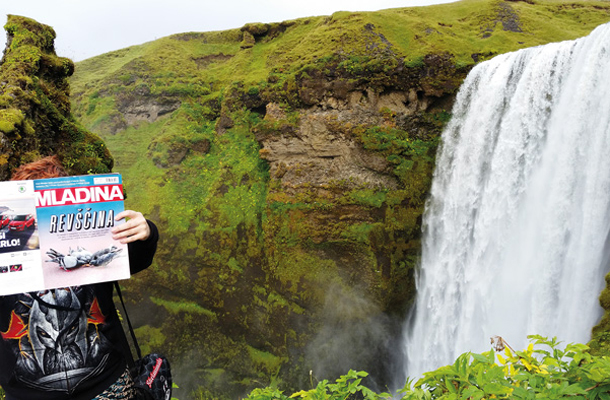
(57, 232)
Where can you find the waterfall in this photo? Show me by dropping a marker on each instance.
(516, 225)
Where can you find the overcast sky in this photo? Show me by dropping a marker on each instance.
(86, 28)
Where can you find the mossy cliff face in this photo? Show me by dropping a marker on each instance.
(287, 166)
(35, 118)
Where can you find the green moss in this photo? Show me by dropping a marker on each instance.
(27, 32)
(359, 233)
(150, 339)
(368, 197)
(9, 119)
(265, 361)
(35, 107)
(177, 307)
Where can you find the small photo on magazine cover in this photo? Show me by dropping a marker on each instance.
(16, 268)
(85, 263)
(81, 257)
(18, 226)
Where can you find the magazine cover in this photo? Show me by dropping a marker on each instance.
(74, 217)
(20, 259)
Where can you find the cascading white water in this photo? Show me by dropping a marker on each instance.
(516, 226)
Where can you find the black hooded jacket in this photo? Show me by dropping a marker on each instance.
(66, 343)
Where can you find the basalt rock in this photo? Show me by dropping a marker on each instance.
(137, 107)
(316, 155)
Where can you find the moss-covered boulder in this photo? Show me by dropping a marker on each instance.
(35, 118)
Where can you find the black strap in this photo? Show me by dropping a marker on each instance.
(133, 334)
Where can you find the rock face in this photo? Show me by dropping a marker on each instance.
(143, 107)
(359, 154)
(35, 118)
(316, 155)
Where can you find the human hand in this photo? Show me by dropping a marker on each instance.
(135, 227)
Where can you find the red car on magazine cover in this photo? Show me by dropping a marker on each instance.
(5, 219)
(21, 222)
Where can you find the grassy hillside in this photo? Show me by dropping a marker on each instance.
(272, 266)
(204, 64)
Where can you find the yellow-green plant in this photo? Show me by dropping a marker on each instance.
(542, 371)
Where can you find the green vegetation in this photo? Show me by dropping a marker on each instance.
(35, 118)
(213, 64)
(542, 371)
(347, 386)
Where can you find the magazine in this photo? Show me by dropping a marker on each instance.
(56, 233)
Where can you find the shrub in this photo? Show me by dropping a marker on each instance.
(542, 371)
(346, 387)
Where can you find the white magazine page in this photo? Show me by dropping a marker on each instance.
(57, 232)
(20, 257)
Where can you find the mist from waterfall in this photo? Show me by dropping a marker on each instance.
(517, 224)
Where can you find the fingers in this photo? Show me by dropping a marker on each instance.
(135, 227)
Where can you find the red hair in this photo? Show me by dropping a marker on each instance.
(48, 167)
